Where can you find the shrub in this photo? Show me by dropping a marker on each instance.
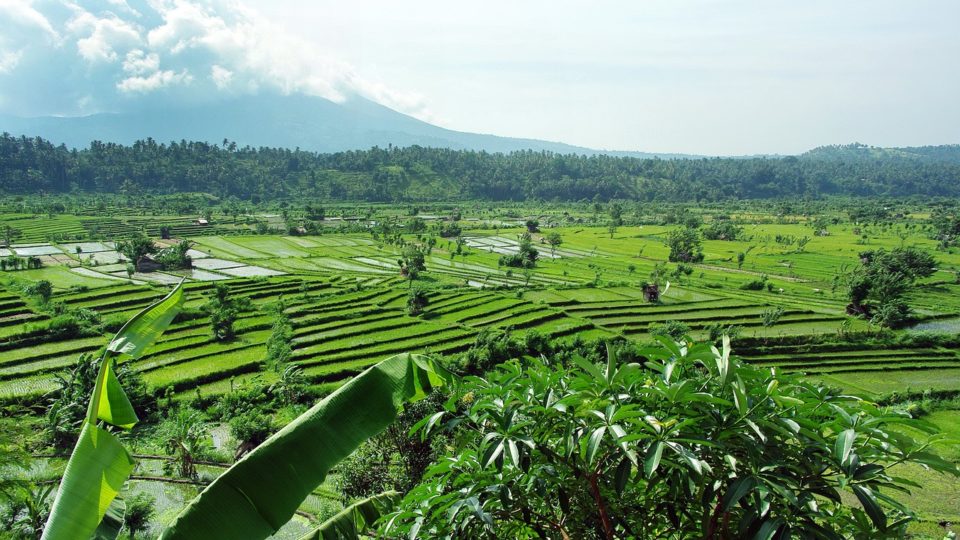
(685, 245)
(417, 300)
(722, 230)
(693, 443)
(672, 329)
(138, 513)
(41, 290)
(755, 285)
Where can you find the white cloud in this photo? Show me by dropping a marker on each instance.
(22, 13)
(102, 36)
(154, 48)
(154, 81)
(221, 76)
(9, 60)
(138, 62)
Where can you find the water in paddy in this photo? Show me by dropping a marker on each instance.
(942, 326)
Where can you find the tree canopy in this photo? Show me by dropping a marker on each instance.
(34, 165)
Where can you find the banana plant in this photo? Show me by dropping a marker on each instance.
(353, 520)
(262, 491)
(99, 464)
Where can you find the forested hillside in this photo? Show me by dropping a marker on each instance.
(421, 174)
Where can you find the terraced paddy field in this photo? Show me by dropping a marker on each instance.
(346, 301)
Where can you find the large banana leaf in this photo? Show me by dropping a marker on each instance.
(261, 492)
(354, 519)
(99, 464)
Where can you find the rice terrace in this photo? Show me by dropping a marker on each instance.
(411, 271)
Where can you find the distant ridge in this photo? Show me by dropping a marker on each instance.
(295, 121)
(946, 153)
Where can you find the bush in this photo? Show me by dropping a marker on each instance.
(675, 330)
(693, 443)
(685, 245)
(755, 285)
(138, 513)
(722, 230)
(250, 428)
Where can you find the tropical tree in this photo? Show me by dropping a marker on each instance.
(224, 309)
(555, 240)
(687, 442)
(255, 497)
(184, 436)
(139, 510)
(417, 300)
(685, 245)
(885, 277)
(136, 247)
(100, 464)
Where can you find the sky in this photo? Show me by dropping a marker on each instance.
(704, 77)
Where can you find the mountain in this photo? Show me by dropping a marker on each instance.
(295, 121)
(858, 153)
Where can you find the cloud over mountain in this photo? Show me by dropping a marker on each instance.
(83, 57)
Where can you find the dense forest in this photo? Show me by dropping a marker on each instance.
(34, 165)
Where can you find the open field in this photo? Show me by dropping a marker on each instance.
(346, 301)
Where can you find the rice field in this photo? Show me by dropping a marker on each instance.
(346, 300)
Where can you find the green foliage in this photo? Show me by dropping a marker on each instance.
(136, 247)
(249, 429)
(675, 330)
(41, 290)
(755, 285)
(417, 300)
(723, 230)
(526, 256)
(175, 257)
(99, 464)
(140, 509)
(393, 460)
(885, 277)
(33, 165)
(771, 316)
(554, 240)
(255, 497)
(184, 436)
(279, 348)
(223, 309)
(693, 443)
(450, 230)
(685, 245)
(413, 261)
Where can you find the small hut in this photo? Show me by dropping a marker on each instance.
(147, 264)
(651, 292)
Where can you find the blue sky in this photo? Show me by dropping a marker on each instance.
(708, 77)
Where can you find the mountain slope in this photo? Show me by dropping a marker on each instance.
(294, 121)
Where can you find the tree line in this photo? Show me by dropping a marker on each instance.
(34, 165)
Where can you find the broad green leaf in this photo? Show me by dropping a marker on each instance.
(99, 464)
(843, 446)
(94, 475)
(113, 406)
(353, 520)
(261, 492)
(589, 367)
(871, 506)
(594, 443)
(622, 475)
(112, 521)
(769, 529)
(736, 491)
(145, 327)
(652, 461)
